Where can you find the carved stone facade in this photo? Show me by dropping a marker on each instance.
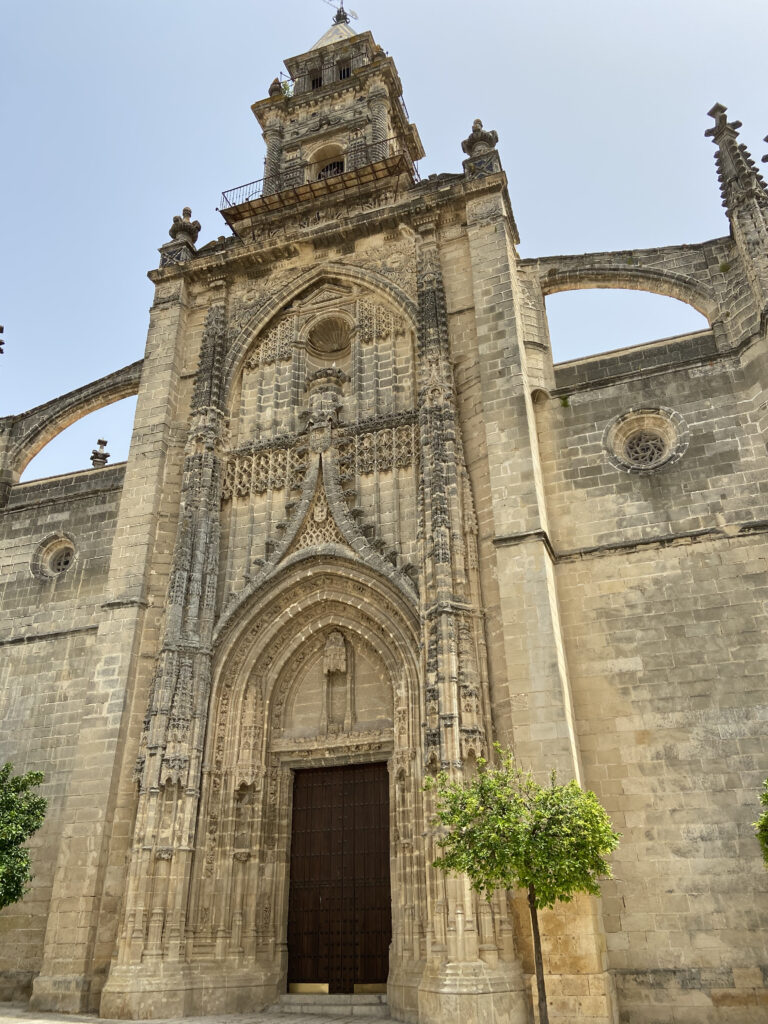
(365, 519)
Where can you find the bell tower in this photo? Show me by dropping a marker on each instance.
(336, 125)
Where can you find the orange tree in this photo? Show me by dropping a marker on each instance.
(21, 814)
(761, 825)
(505, 831)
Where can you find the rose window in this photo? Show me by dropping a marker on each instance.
(645, 448)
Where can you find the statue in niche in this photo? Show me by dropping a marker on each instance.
(244, 807)
(339, 684)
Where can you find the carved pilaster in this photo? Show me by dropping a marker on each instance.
(273, 136)
(449, 640)
(170, 761)
(378, 101)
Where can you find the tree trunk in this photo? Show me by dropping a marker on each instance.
(543, 1012)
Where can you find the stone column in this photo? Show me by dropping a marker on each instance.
(273, 136)
(532, 700)
(378, 105)
(66, 982)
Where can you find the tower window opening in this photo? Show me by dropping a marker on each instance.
(317, 81)
(328, 171)
(345, 71)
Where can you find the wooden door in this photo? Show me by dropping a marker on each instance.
(339, 915)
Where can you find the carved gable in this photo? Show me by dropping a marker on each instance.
(319, 526)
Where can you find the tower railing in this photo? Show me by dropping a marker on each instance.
(363, 162)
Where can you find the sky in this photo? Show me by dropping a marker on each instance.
(117, 114)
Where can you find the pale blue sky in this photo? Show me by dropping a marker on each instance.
(116, 114)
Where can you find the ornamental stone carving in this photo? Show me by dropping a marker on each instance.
(480, 147)
(184, 229)
(479, 141)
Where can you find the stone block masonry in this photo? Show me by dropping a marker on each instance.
(364, 519)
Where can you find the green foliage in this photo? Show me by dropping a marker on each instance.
(21, 814)
(761, 825)
(506, 831)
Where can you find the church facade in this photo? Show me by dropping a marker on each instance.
(367, 528)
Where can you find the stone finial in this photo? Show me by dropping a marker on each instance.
(276, 88)
(184, 229)
(100, 455)
(740, 180)
(479, 141)
(482, 155)
(764, 160)
(722, 125)
(2, 340)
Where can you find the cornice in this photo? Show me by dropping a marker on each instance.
(432, 199)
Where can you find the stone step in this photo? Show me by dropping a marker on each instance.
(367, 1005)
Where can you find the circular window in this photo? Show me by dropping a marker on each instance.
(643, 440)
(645, 448)
(62, 560)
(53, 557)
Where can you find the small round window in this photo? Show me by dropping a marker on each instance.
(53, 557)
(645, 448)
(643, 440)
(62, 560)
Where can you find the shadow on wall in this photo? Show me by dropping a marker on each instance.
(70, 451)
(587, 322)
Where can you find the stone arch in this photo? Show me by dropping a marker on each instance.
(311, 578)
(33, 430)
(322, 154)
(321, 474)
(239, 888)
(661, 282)
(266, 310)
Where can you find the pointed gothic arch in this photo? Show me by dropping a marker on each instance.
(287, 633)
(345, 543)
(254, 319)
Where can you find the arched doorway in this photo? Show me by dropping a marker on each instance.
(315, 690)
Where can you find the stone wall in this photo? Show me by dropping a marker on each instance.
(48, 630)
(365, 518)
(661, 578)
(667, 657)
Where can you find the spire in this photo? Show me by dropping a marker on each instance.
(737, 173)
(340, 29)
(745, 199)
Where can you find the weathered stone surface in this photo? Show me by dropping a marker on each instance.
(364, 518)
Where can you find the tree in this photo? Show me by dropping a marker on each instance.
(505, 831)
(761, 825)
(21, 815)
